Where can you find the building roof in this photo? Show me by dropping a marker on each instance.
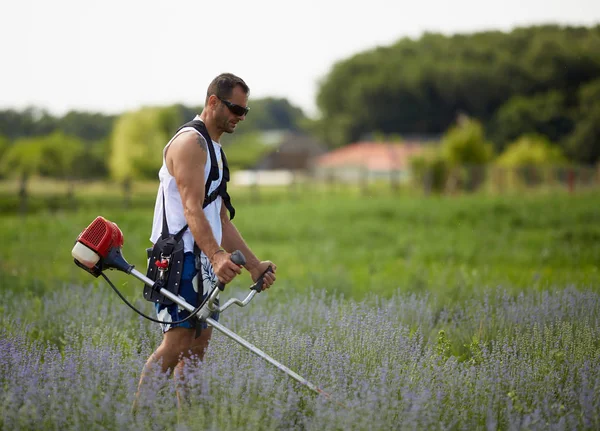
(374, 156)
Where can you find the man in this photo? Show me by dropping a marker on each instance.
(186, 166)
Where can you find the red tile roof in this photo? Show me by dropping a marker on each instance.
(375, 156)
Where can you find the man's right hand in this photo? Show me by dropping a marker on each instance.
(224, 268)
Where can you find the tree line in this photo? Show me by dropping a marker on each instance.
(541, 79)
(84, 145)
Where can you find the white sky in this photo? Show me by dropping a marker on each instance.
(115, 55)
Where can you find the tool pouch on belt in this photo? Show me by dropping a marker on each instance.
(165, 264)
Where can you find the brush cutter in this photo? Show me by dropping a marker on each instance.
(98, 248)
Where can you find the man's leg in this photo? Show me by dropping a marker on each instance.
(176, 342)
(191, 359)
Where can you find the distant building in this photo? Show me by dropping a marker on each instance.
(377, 159)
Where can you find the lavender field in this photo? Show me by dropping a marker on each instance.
(530, 361)
(462, 313)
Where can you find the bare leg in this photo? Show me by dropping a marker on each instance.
(176, 342)
(193, 356)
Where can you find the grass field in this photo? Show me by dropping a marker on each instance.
(464, 312)
(448, 246)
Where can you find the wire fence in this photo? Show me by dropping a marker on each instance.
(460, 179)
(255, 186)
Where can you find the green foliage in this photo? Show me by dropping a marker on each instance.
(589, 94)
(130, 145)
(24, 157)
(584, 142)
(88, 126)
(245, 150)
(447, 245)
(443, 345)
(583, 145)
(38, 122)
(92, 162)
(336, 132)
(272, 114)
(429, 169)
(53, 156)
(514, 83)
(59, 154)
(531, 150)
(545, 114)
(4, 143)
(138, 140)
(465, 144)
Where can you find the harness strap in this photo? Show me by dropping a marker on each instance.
(170, 242)
(221, 190)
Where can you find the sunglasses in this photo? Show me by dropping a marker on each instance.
(236, 109)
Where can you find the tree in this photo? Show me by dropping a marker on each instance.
(29, 122)
(59, 156)
(4, 143)
(544, 114)
(245, 150)
(528, 154)
(137, 143)
(23, 159)
(273, 114)
(88, 126)
(531, 150)
(429, 170)
(465, 144)
(465, 148)
(584, 143)
(524, 81)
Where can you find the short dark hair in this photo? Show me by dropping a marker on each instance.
(222, 86)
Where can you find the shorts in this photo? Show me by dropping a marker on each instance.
(191, 280)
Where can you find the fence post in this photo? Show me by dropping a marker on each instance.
(255, 193)
(127, 186)
(293, 185)
(571, 180)
(395, 179)
(23, 195)
(428, 181)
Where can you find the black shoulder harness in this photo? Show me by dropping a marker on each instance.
(214, 170)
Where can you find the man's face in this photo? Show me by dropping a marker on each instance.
(226, 119)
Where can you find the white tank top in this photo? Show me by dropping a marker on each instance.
(174, 208)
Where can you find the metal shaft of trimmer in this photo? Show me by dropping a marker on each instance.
(178, 300)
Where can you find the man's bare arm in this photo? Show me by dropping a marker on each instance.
(186, 158)
(232, 240)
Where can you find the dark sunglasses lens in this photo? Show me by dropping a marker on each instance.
(238, 110)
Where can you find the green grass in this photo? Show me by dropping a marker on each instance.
(346, 242)
(431, 312)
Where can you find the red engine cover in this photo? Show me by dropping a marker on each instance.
(101, 236)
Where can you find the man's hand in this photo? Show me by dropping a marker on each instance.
(224, 268)
(268, 278)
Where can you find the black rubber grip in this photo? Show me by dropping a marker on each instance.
(238, 258)
(259, 283)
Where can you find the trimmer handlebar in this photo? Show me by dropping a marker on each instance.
(238, 258)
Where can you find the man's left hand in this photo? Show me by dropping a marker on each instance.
(269, 277)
